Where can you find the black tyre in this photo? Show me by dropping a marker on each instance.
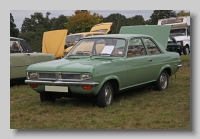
(162, 81)
(46, 97)
(105, 96)
(186, 50)
(179, 52)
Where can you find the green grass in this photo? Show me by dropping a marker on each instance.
(143, 108)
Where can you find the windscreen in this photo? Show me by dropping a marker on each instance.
(99, 47)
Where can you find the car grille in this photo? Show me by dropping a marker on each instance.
(47, 75)
(70, 76)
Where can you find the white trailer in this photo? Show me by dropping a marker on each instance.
(180, 29)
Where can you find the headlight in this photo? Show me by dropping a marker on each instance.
(32, 75)
(86, 77)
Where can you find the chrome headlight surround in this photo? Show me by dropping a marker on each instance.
(86, 77)
(32, 75)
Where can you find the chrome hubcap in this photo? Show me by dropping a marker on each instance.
(108, 94)
(163, 80)
(187, 51)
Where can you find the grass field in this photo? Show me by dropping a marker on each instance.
(143, 108)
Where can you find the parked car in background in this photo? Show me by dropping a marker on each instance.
(59, 43)
(53, 42)
(99, 29)
(180, 29)
(21, 56)
(104, 65)
(174, 46)
(169, 44)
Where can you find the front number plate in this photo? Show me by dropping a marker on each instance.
(56, 88)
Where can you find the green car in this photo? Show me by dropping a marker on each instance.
(21, 56)
(104, 65)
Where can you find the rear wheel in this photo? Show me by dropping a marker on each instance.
(105, 96)
(162, 81)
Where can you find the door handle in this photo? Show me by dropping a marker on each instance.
(27, 54)
(149, 59)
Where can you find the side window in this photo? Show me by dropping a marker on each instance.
(135, 48)
(151, 46)
(15, 47)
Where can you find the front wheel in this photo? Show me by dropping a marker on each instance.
(186, 50)
(162, 81)
(105, 96)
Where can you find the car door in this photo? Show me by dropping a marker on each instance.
(19, 61)
(157, 58)
(138, 63)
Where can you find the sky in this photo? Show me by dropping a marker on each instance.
(20, 15)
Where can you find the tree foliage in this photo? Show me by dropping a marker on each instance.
(160, 14)
(33, 28)
(14, 31)
(82, 21)
(183, 13)
(30, 24)
(118, 21)
(58, 23)
(136, 20)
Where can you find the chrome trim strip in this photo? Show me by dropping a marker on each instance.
(75, 80)
(61, 83)
(179, 65)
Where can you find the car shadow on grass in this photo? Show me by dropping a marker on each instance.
(91, 102)
(17, 83)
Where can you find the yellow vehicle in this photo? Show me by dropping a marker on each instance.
(99, 29)
(59, 43)
(54, 42)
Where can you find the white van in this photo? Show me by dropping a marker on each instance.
(180, 29)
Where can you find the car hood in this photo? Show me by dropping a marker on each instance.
(69, 65)
(53, 42)
(102, 26)
(159, 32)
(182, 38)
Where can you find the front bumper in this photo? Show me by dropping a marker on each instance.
(61, 83)
(179, 65)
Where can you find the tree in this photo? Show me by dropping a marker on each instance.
(14, 32)
(136, 20)
(82, 21)
(183, 13)
(118, 21)
(58, 23)
(30, 24)
(33, 28)
(160, 14)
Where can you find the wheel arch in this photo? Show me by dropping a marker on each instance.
(167, 68)
(114, 82)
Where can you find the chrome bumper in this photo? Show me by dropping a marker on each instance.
(179, 65)
(60, 83)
